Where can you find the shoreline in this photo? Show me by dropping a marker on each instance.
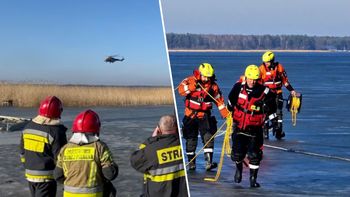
(250, 51)
(30, 95)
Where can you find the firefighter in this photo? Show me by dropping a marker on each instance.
(41, 141)
(249, 101)
(274, 76)
(160, 159)
(85, 164)
(200, 91)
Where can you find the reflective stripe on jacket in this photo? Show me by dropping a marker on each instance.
(40, 145)
(160, 159)
(82, 168)
(198, 102)
(275, 78)
(246, 111)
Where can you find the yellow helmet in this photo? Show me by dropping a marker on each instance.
(268, 56)
(252, 72)
(206, 70)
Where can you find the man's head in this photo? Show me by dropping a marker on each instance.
(87, 122)
(207, 71)
(268, 58)
(252, 74)
(167, 125)
(51, 107)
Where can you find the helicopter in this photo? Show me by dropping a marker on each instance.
(112, 59)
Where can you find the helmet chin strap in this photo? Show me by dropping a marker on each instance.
(272, 65)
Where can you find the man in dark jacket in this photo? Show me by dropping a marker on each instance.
(160, 159)
(41, 141)
(250, 102)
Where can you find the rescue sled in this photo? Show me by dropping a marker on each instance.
(9, 123)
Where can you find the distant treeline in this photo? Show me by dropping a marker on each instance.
(256, 42)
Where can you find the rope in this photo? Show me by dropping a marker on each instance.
(207, 93)
(206, 144)
(294, 109)
(307, 153)
(212, 137)
(226, 144)
(225, 149)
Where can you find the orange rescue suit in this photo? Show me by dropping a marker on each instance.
(198, 102)
(275, 77)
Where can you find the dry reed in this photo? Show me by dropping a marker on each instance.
(29, 95)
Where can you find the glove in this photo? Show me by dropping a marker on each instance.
(258, 103)
(224, 112)
(192, 85)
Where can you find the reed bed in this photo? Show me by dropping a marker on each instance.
(30, 95)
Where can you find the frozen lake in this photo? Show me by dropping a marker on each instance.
(323, 127)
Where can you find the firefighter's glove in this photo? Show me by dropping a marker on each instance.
(224, 112)
(259, 103)
(192, 85)
(258, 106)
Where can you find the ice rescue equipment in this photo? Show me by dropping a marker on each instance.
(248, 113)
(272, 79)
(294, 106)
(268, 56)
(206, 144)
(252, 72)
(197, 101)
(206, 70)
(226, 148)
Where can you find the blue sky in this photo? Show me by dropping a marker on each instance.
(310, 17)
(66, 42)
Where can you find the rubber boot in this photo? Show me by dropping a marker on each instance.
(209, 164)
(253, 177)
(238, 174)
(266, 131)
(191, 165)
(278, 131)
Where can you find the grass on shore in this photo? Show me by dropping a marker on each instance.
(30, 95)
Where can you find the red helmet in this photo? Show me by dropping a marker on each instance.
(86, 122)
(51, 107)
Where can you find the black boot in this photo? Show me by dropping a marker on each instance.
(209, 164)
(278, 130)
(238, 174)
(266, 131)
(191, 165)
(253, 177)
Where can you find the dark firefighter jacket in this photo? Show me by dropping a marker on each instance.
(39, 148)
(160, 159)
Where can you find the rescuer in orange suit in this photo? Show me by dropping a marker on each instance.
(274, 76)
(201, 91)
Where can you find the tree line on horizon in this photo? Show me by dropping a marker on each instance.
(256, 42)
